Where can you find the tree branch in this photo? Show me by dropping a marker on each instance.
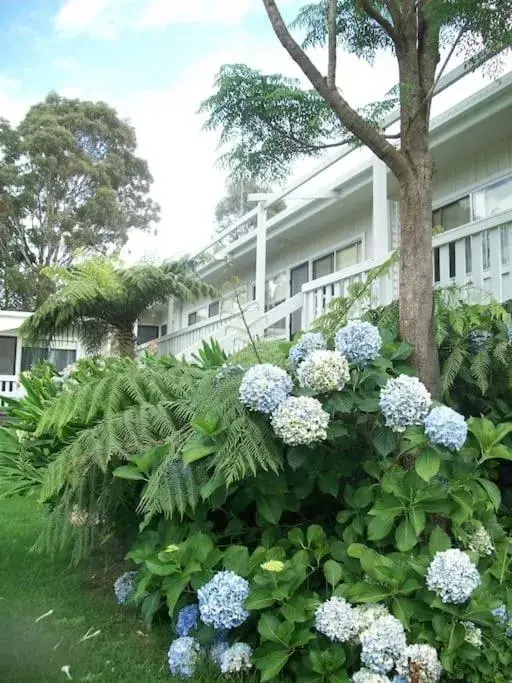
(331, 43)
(394, 11)
(366, 133)
(381, 21)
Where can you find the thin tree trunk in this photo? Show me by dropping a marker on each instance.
(125, 342)
(416, 273)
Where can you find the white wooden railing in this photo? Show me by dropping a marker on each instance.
(9, 386)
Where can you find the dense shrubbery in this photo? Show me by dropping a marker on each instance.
(331, 524)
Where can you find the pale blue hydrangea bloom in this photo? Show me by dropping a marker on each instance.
(473, 634)
(369, 613)
(445, 427)
(236, 659)
(337, 620)
(404, 402)
(123, 586)
(367, 676)
(264, 387)
(502, 616)
(300, 421)
(183, 656)
(425, 660)
(324, 371)
(188, 619)
(359, 341)
(399, 679)
(383, 644)
(452, 576)
(217, 649)
(310, 341)
(221, 601)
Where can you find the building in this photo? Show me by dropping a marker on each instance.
(290, 266)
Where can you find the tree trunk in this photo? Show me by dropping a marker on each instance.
(416, 272)
(125, 341)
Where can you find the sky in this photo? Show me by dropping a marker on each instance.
(155, 61)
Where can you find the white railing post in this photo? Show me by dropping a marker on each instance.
(17, 360)
(381, 226)
(261, 256)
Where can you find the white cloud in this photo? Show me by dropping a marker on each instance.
(100, 18)
(160, 13)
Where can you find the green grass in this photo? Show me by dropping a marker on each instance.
(81, 601)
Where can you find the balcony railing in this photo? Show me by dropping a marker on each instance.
(9, 386)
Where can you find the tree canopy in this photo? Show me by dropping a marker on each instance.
(103, 301)
(69, 179)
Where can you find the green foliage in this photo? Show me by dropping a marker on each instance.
(275, 352)
(235, 205)
(69, 179)
(100, 299)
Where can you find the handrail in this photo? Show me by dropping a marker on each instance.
(472, 227)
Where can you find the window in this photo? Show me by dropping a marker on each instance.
(349, 256)
(32, 355)
(276, 289)
(452, 215)
(493, 199)
(213, 309)
(163, 329)
(192, 318)
(146, 333)
(323, 266)
(7, 355)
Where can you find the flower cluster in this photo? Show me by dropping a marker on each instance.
(337, 620)
(187, 621)
(369, 613)
(477, 339)
(274, 566)
(453, 576)
(300, 420)
(383, 644)
(221, 601)
(123, 586)
(481, 542)
(310, 341)
(217, 649)
(367, 676)
(423, 660)
(404, 402)
(183, 656)
(236, 659)
(502, 616)
(324, 371)
(473, 634)
(445, 427)
(264, 387)
(359, 341)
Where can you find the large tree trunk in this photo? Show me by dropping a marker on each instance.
(416, 273)
(125, 341)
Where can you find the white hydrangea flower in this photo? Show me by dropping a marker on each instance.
(324, 371)
(446, 427)
(404, 402)
(423, 660)
(369, 613)
(359, 341)
(300, 421)
(367, 676)
(310, 341)
(473, 634)
(337, 620)
(236, 659)
(481, 542)
(383, 644)
(453, 576)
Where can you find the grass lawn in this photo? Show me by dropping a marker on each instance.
(81, 603)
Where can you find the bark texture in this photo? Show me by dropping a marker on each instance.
(125, 342)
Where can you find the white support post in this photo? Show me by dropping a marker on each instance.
(170, 315)
(380, 218)
(261, 256)
(17, 360)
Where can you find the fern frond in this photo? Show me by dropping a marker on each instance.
(452, 366)
(480, 369)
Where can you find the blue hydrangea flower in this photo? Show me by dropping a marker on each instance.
(404, 402)
(310, 341)
(217, 649)
(187, 621)
(236, 659)
(123, 586)
(367, 676)
(453, 576)
(383, 644)
(337, 620)
(502, 616)
(300, 420)
(425, 661)
(360, 342)
(264, 387)
(221, 601)
(183, 656)
(445, 427)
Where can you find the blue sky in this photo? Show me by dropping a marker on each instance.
(155, 61)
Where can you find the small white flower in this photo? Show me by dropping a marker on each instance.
(473, 634)
(404, 402)
(481, 542)
(452, 576)
(425, 661)
(324, 371)
(300, 421)
(337, 620)
(383, 644)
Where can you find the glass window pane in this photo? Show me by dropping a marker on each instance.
(493, 200)
(469, 254)
(452, 215)
(163, 329)
(32, 355)
(276, 289)
(486, 250)
(349, 256)
(146, 333)
(61, 358)
(323, 266)
(213, 309)
(7, 355)
(192, 318)
(505, 243)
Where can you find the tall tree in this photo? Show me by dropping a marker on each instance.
(102, 302)
(69, 179)
(235, 204)
(280, 121)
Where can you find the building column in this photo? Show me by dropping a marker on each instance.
(380, 218)
(17, 359)
(261, 256)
